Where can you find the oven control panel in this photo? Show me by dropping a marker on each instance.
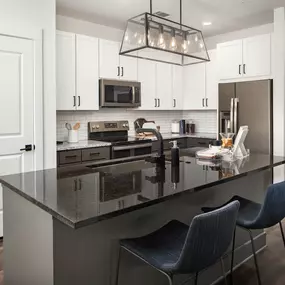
(108, 126)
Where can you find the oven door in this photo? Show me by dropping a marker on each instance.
(117, 93)
(131, 150)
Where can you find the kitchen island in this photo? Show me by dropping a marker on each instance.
(62, 226)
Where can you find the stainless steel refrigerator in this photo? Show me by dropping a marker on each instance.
(248, 104)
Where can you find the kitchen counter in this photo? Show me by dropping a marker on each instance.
(166, 136)
(71, 219)
(81, 145)
(81, 208)
(196, 135)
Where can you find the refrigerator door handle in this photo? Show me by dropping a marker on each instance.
(232, 114)
(236, 101)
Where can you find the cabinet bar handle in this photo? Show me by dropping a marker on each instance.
(118, 74)
(70, 156)
(244, 71)
(239, 69)
(155, 102)
(206, 102)
(158, 102)
(94, 153)
(74, 101)
(174, 103)
(122, 68)
(203, 102)
(79, 101)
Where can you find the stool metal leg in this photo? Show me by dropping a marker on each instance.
(282, 233)
(196, 278)
(118, 267)
(170, 279)
(255, 258)
(223, 271)
(233, 257)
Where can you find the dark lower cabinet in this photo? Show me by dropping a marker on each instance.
(198, 142)
(79, 156)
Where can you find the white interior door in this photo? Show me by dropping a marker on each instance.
(17, 107)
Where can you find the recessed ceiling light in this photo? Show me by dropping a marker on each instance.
(207, 23)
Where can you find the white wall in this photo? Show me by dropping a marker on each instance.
(39, 14)
(71, 25)
(212, 42)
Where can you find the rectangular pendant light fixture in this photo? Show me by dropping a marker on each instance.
(151, 37)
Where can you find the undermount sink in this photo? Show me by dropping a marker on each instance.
(126, 167)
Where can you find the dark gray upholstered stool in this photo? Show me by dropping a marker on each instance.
(177, 248)
(254, 216)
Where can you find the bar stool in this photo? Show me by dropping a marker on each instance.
(254, 216)
(177, 248)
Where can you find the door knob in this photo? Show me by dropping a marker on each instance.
(28, 147)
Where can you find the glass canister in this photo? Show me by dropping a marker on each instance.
(227, 140)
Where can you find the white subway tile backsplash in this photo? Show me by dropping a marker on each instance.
(206, 121)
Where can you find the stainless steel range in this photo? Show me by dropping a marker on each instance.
(116, 132)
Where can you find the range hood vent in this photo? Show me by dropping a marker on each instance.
(152, 37)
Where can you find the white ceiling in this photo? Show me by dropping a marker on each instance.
(226, 15)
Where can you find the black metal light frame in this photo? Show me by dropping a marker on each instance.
(186, 28)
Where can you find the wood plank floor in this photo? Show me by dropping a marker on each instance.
(271, 262)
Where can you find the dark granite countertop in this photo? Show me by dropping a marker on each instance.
(79, 196)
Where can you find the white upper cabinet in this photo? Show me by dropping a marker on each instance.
(164, 86)
(257, 56)
(147, 78)
(245, 59)
(230, 59)
(77, 72)
(114, 66)
(212, 86)
(87, 73)
(129, 68)
(177, 87)
(109, 59)
(65, 71)
(194, 87)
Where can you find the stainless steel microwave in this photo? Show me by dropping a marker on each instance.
(119, 93)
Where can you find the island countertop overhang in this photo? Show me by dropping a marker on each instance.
(102, 196)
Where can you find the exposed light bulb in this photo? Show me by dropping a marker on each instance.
(136, 35)
(161, 41)
(201, 45)
(196, 38)
(150, 40)
(173, 44)
(185, 44)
